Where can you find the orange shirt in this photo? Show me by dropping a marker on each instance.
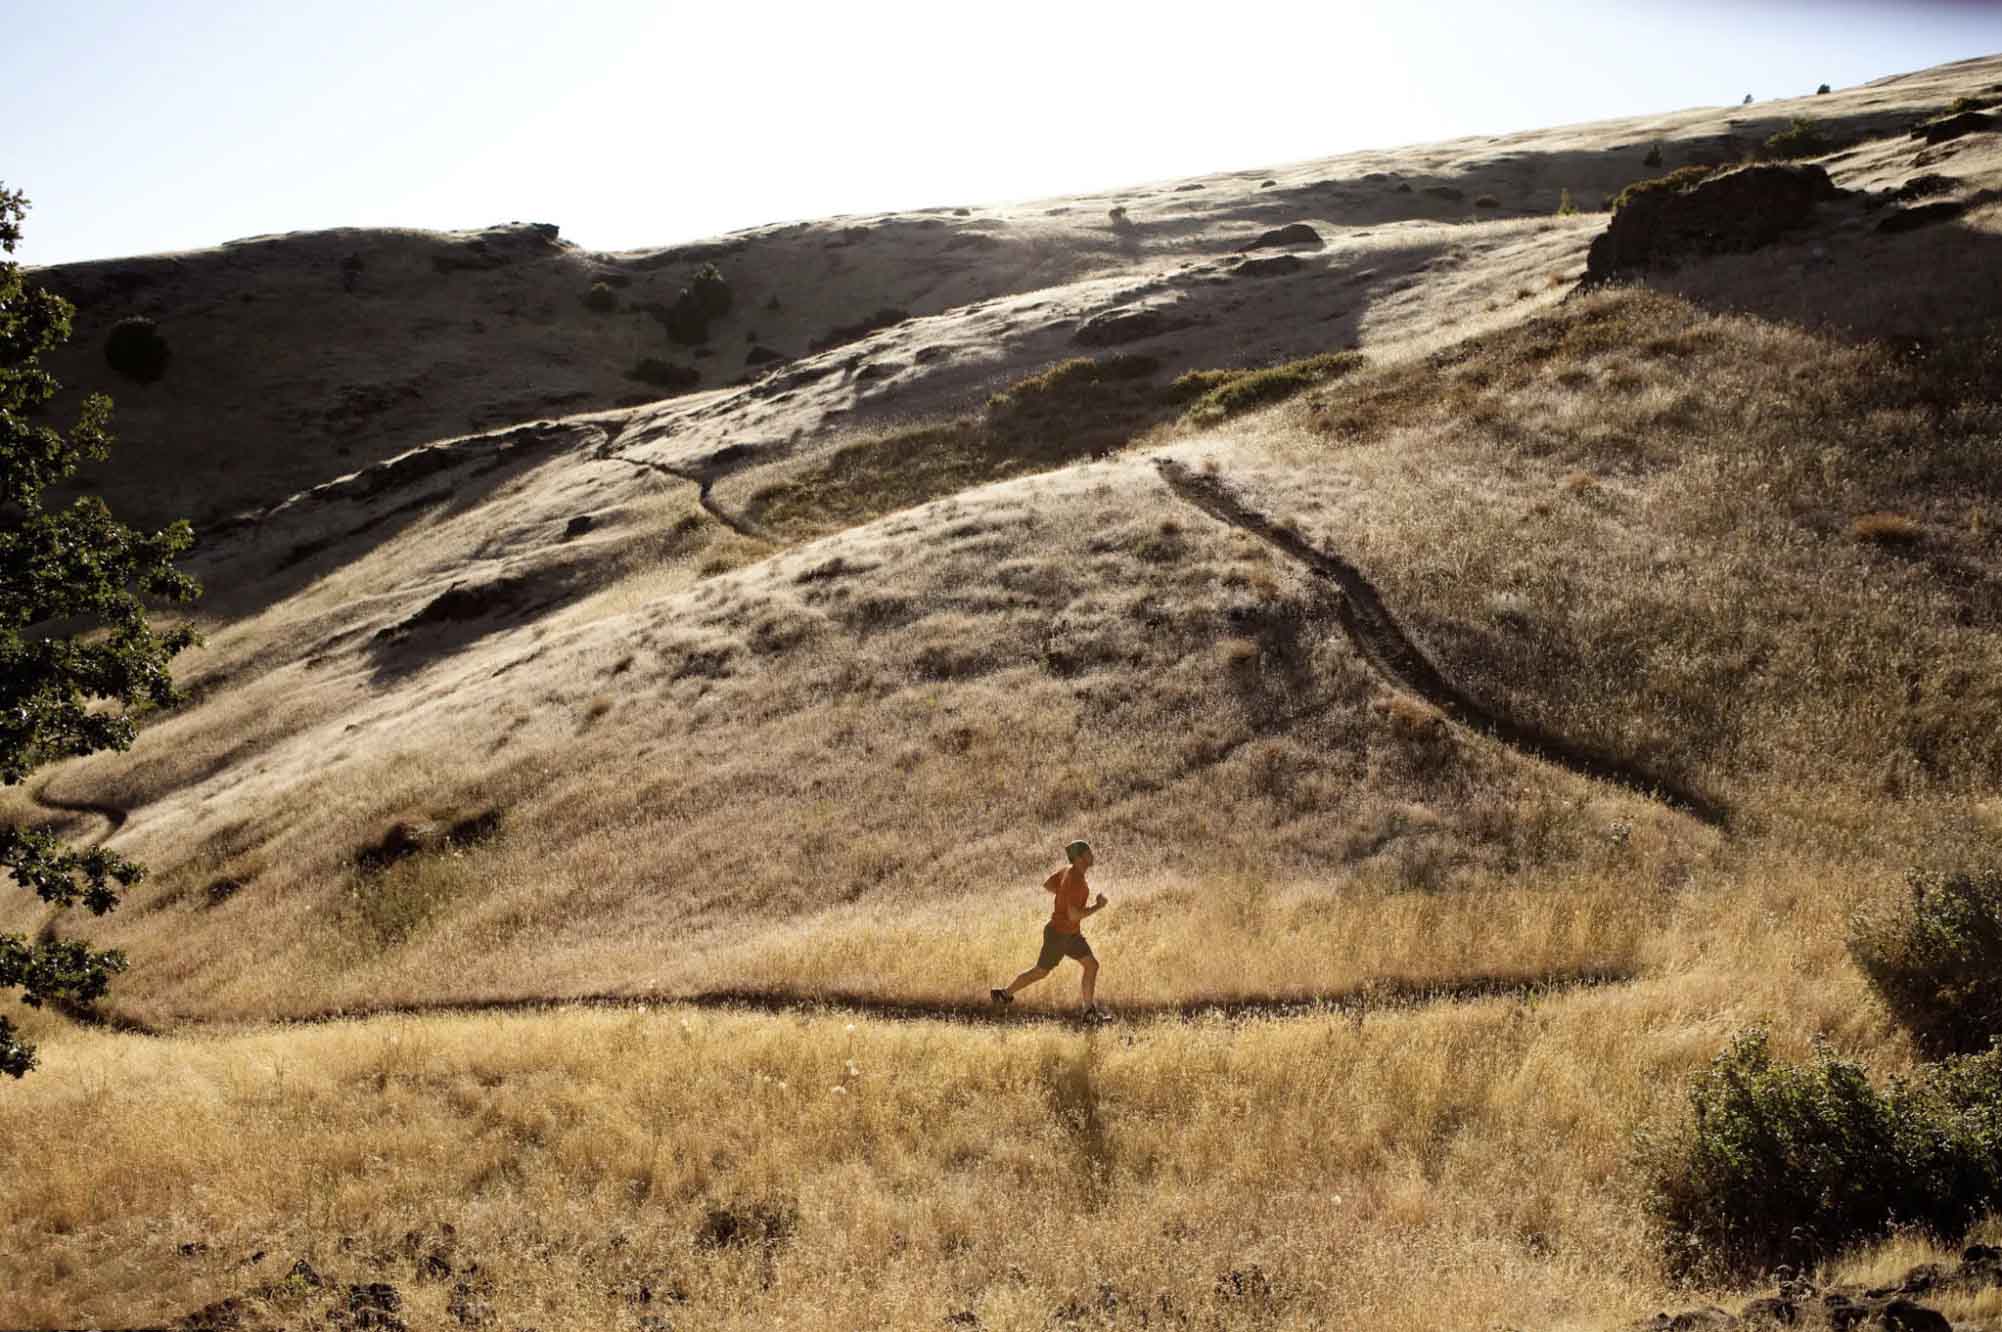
(1073, 894)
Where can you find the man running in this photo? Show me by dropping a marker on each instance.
(1062, 937)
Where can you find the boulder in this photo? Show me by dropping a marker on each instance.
(1110, 328)
(1924, 215)
(1297, 233)
(1272, 265)
(1953, 127)
(1722, 213)
(1924, 187)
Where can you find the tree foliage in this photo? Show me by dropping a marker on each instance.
(78, 660)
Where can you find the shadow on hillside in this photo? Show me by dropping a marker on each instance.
(1911, 288)
(248, 566)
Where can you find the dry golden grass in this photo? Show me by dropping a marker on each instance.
(840, 762)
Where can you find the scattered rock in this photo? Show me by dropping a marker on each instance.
(1726, 212)
(1911, 219)
(1297, 233)
(578, 526)
(1267, 184)
(1184, 189)
(1924, 187)
(1271, 266)
(1954, 127)
(218, 892)
(1109, 328)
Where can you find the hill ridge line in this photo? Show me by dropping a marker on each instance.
(1382, 641)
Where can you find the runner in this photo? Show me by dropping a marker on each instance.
(1062, 937)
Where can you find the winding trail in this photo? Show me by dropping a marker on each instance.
(1384, 644)
(1379, 995)
(113, 816)
(705, 486)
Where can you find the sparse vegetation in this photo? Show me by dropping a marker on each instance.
(1217, 395)
(1802, 138)
(135, 349)
(1781, 1163)
(1679, 179)
(1565, 207)
(706, 299)
(1935, 958)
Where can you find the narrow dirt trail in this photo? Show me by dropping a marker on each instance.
(1380, 995)
(114, 817)
(704, 496)
(1383, 643)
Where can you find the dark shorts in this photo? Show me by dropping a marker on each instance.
(1057, 947)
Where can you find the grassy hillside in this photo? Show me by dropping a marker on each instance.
(1477, 724)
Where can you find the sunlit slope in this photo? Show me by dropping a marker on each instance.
(294, 358)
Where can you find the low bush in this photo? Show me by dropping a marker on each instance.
(1215, 395)
(1681, 178)
(136, 350)
(1935, 958)
(1486, 201)
(1790, 1163)
(601, 298)
(1802, 138)
(1822, 91)
(663, 374)
(705, 299)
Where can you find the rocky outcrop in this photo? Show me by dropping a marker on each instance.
(1953, 127)
(1728, 212)
(1298, 233)
(1799, 1303)
(1110, 328)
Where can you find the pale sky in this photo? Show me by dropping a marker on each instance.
(138, 126)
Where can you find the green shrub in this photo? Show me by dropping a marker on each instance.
(1679, 179)
(1802, 138)
(136, 350)
(1566, 208)
(1789, 1163)
(1653, 157)
(705, 299)
(662, 374)
(1936, 959)
(601, 298)
(1822, 91)
(1219, 394)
